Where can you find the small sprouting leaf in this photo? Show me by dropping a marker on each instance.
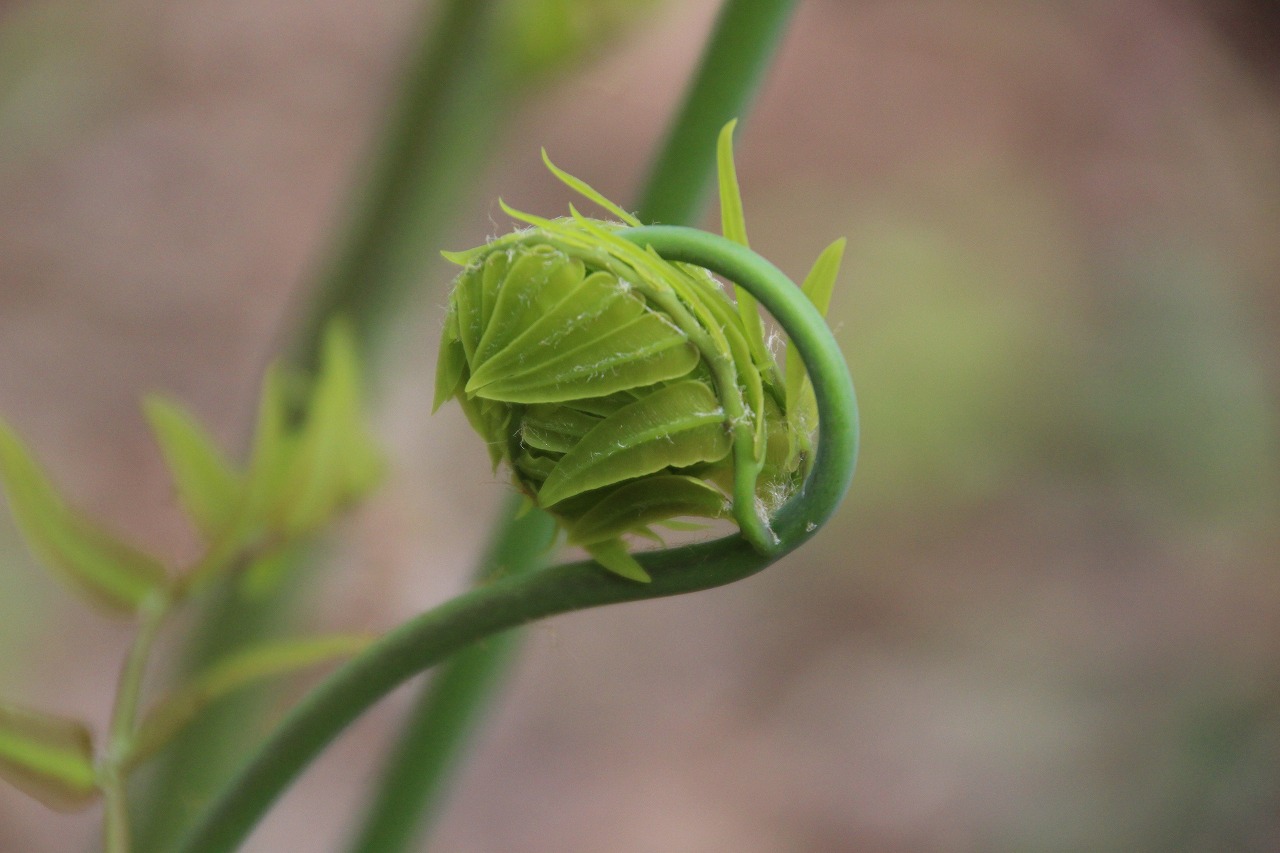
(676, 426)
(821, 280)
(269, 660)
(273, 449)
(48, 757)
(113, 573)
(585, 190)
(802, 414)
(733, 224)
(208, 485)
(613, 555)
(633, 506)
(335, 459)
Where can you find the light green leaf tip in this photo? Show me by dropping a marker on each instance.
(273, 448)
(613, 555)
(335, 460)
(818, 286)
(585, 190)
(48, 757)
(111, 572)
(733, 224)
(208, 486)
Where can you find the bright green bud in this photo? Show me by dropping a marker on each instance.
(622, 390)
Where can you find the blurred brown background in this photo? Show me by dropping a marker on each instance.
(1046, 619)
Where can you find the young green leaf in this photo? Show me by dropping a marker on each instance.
(273, 450)
(733, 224)
(111, 572)
(585, 190)
(675, 426)
(642, 351)
(335, 459)
(47, 757)
(539, 279)
(802, 413)
(269, 660)
(613, 555)
(209, 487)
(555, 429)
(634, 505)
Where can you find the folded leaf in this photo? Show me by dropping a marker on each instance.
(555, 429)
(676, 426)
(633, 506)
(537, 281)
(48, 757)
(111, 572)
(269, 660)
(642, 351)
(209, 487)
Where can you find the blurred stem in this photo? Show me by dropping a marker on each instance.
(439, 130)
(745, 36)
(435, 142)
(450, 706)
(522, 598)
(124, 716)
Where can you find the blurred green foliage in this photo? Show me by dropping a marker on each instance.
(544, 37)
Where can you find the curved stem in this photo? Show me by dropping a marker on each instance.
(519, 599)
(435, 733)
(440, 127)
(739, 48)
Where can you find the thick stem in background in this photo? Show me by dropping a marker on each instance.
(519, 599)
(745, 36)
(448, 710)
(437, 138)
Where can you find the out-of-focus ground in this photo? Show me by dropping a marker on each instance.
(1046, 619)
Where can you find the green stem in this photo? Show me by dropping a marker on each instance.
(738, 50)
(522, 598)
(747, 33)
(115, 813)
(436, 139)
(124, 716)
(447, 712)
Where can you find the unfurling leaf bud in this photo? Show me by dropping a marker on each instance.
(623, 390)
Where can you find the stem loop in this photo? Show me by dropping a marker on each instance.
(519, 599)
